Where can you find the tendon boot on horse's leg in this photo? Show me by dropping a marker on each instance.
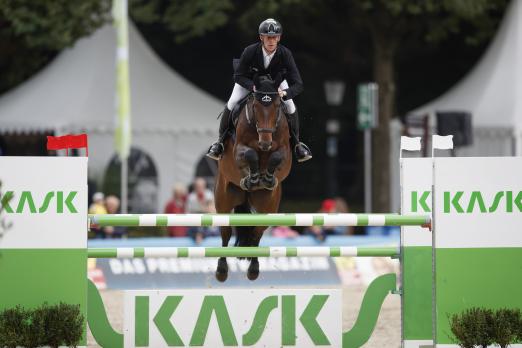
(302, 152)
(222, 267)
(269, 181)
(252, 179)
(253, 269)
(216, 150)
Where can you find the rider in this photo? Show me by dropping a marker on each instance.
(266, 58)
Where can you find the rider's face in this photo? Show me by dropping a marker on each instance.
(270, 42)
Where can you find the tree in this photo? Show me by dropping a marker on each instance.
(392, 25)
(338, 28)
(186, 19)
(32, 32)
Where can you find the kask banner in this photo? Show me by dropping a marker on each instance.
(233, 318)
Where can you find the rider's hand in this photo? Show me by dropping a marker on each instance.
(281, 92)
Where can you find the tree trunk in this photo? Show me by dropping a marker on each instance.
(383, 71)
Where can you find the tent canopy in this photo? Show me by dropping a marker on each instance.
(492, 90)
(76, 92)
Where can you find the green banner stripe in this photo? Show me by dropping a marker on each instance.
(260, 220)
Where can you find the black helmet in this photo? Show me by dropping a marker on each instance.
(270, 27)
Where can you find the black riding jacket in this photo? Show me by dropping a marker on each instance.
(252, 62)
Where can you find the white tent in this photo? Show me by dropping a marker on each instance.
(492, 92)
(173, 121)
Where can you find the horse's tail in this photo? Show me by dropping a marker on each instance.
(244, 234)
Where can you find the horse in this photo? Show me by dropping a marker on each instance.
(256, 160)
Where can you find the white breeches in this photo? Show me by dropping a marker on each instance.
(240, 92)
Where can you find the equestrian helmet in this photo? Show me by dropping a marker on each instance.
(270, 27)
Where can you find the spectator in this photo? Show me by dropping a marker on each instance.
(112, 204)
(342, 207)
(98, 204)
(201, 201)
(283, 232)
(97, 207)
(177, 206)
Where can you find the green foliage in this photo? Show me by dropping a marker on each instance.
(473, 327)
(12, 326)
(32, 32)
(506, 326)
(484, 327)
(186, 19)
(46, 325)
(52, 24)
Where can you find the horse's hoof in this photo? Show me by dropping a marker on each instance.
(253, 270)
(247, 183)
(269, 183)
(221, 277)
(252, 275)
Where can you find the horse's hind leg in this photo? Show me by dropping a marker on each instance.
(222, 266)
(226, 198)
(264, 202)
(253, 268)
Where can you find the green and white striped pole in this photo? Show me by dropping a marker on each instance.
(259, 220)
(202, 252)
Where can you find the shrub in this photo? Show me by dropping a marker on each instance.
(506, 326)
(13, 323)
(46, 325)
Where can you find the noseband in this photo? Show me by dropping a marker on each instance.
(266, 95)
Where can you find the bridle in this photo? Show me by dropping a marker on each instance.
(266, 95)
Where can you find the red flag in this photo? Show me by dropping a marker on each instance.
(68, 142)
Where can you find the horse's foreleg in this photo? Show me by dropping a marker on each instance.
(268, 180)
(252, 160)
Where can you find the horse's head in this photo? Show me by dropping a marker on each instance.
(266, 109)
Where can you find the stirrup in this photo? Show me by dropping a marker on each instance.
(308, 152)
(212, 154)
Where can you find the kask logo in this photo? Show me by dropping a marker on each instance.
(469, 202)
(214, 308)
(25, 202)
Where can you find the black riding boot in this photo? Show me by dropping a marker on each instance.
(216, 150)
(302, 152)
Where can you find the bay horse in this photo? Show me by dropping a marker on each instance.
(256, 160)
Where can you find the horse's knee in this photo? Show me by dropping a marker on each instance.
(275, 160)
(251, 156)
